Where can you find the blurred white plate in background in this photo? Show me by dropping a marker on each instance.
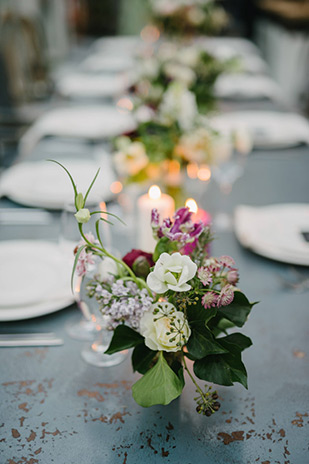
(275, 231)
(268, 129)
(46, 185)
(246, 87)
(34, 279)
(81, 86)
(99, 62)
(89, 122)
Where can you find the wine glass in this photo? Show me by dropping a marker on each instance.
(225, 172)
(94, 353)
(83, 328)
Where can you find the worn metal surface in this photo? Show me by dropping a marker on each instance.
(57, 409)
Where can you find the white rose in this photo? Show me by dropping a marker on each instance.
(171, 272)
(164, 328)
(178, 104)
(106, 269)
(180, 72)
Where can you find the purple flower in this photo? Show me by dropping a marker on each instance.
(155, 218)
(182, 216)
(205, 276)
(226, 296)
(209, 300)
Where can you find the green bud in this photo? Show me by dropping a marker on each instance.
(141, 267)
(82, 216)
(79, 201)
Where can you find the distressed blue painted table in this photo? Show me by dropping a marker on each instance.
(57, 409)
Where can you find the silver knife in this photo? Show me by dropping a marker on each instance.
(30, 339)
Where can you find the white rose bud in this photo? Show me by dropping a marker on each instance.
(164, 328)
(82, 216)
(171, 272)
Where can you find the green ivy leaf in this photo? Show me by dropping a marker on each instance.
(164, 245)
(202, 343)
(222, 369)
(197, 314)
(124, 338)
(160, 385)
(235, 342)
(142, 357)
(238, 311)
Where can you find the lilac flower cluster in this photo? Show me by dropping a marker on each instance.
(181, 229)
(86, 257)
(122, 300)
(220, 276)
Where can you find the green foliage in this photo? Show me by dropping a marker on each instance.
(142, 357)
(238, 311)
(164, 245)
(222, 369)
(160, 385)
(124, 338)
(202, 343)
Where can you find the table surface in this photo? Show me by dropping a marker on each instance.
(55, 408)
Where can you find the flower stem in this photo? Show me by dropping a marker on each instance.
(191, 376)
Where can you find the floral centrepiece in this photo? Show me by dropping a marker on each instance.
(189, 16)
(173, 307)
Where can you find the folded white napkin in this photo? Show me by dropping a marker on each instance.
(246, 86)
(275, 231)
(83, 85)
(89, 122)
(102, 62)
(268, 129)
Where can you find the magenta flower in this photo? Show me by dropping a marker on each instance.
(226, 296)
(209, 300)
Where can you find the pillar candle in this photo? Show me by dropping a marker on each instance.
(153, 199)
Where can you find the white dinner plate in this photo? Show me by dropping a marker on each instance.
(34, 279)
(246, 87)
(275, 231)
(99, 62)
(82, 122)
(46, 185)
(268, 129)
(79, 85)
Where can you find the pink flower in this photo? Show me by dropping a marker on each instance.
(205, 276)
(209, 300)
(226, 296)
(86, 256)
(232, 276)
(227, 261)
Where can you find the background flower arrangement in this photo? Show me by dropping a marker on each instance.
(173, 307)
(191, 17)
(194, 67)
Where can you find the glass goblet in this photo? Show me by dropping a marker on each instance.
(69, 236)
(94, 353)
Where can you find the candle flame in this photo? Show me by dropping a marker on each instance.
(192, 170)
(116, 187)
(154, 192)
(103, 208)
(192, 205)
(204, 173)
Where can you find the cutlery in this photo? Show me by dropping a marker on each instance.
(30, 339)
